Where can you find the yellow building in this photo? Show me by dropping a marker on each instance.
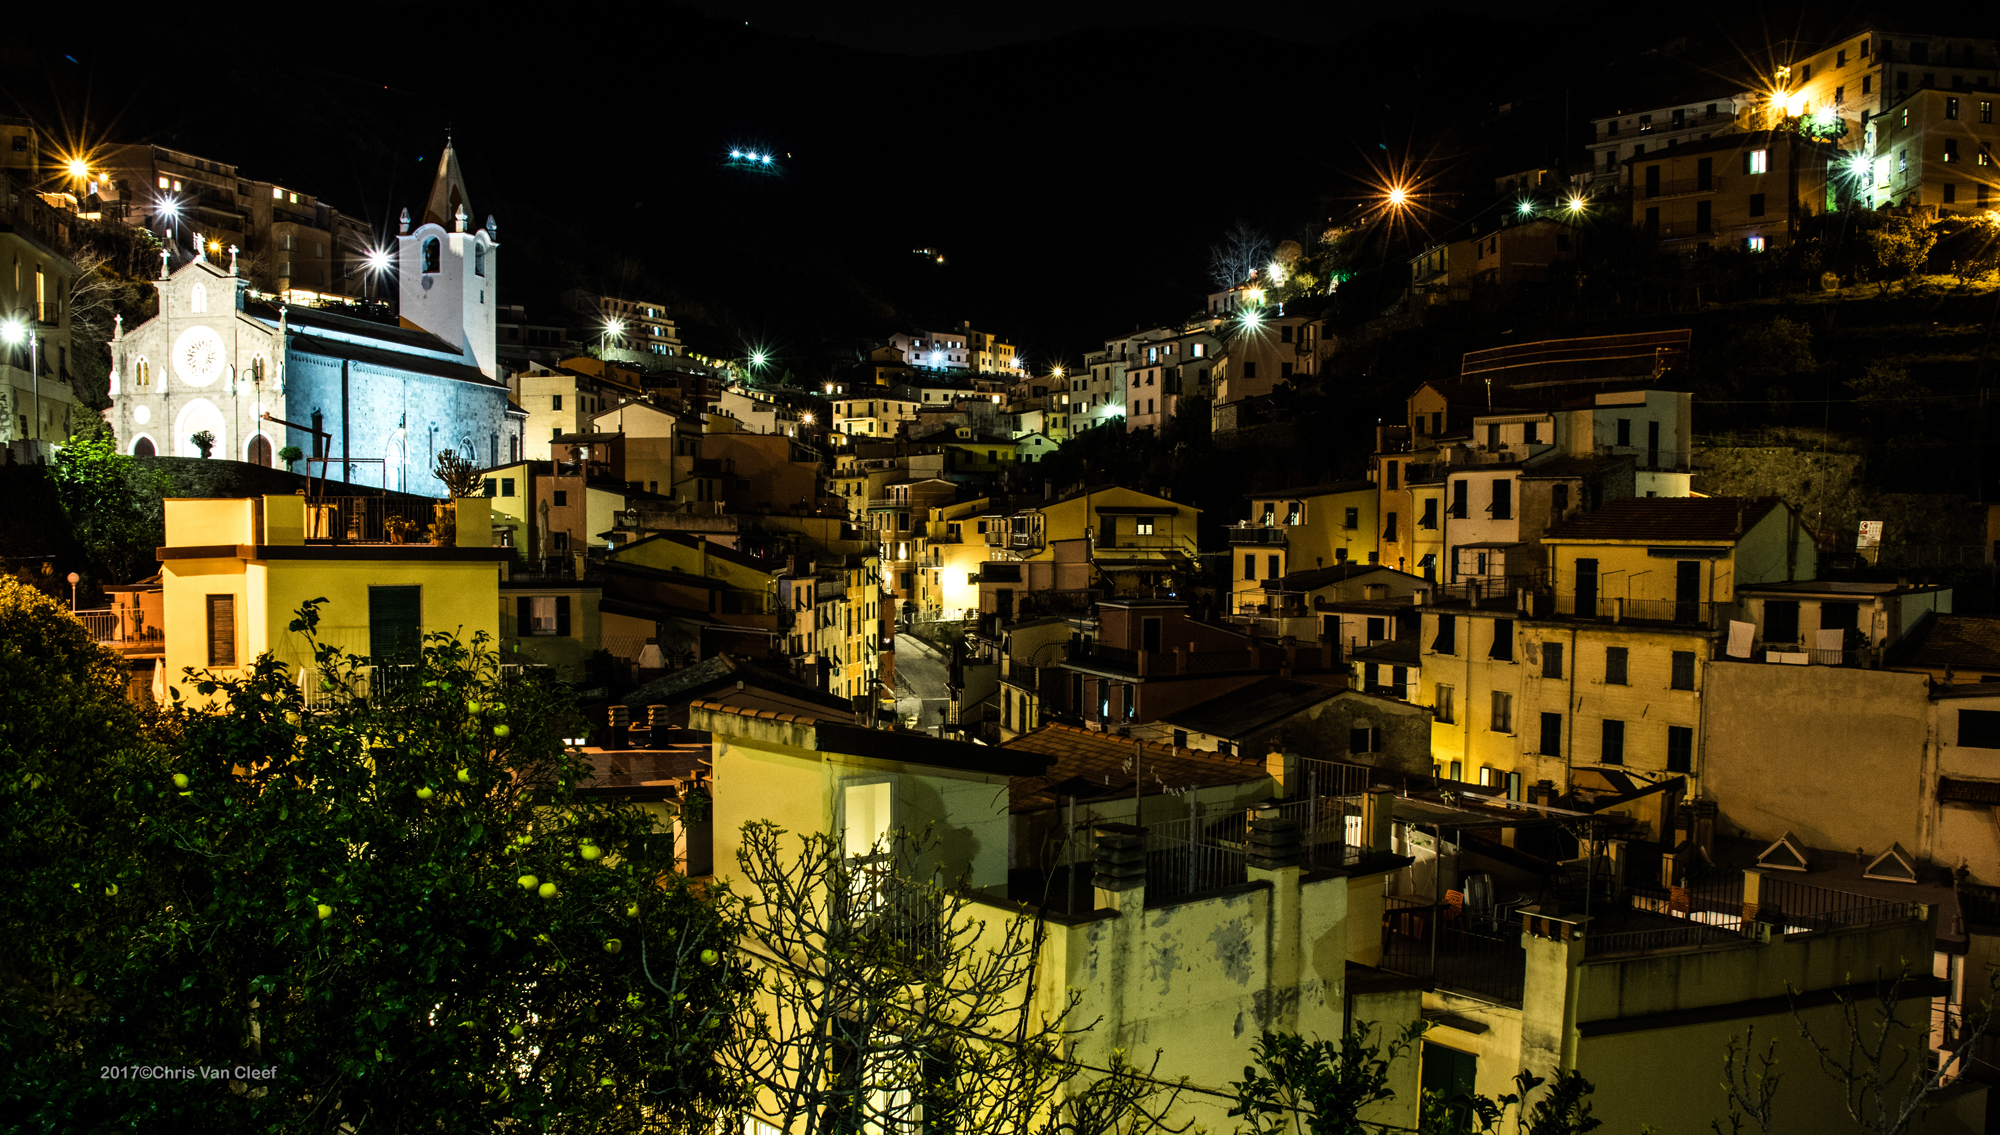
(949, 555)
(564, 400)
(1935, 147)
(1284, 943)
(1299, 529)
(1607, 671)
(1137, 542)
(235, 572)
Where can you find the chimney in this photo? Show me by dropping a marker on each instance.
(1274, 840)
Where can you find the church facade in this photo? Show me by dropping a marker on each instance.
(371, 405)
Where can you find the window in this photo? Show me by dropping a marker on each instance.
(478, 259)
(1503, 712)
(562, 497)
(506, 486)
(1979, 728)
(1756, 161)
(1753, 243)
(1459, 493)
(1756, 205)
(1552, 735)
(1352, 518)
(1683, 672)
(1867, 84)
(1249, 369)
(1377, 629)
(1142, 526)
(1839, 95)
(433, 255)
(1503, 499)
(1950, 193)
(1446, 641)
(1614, 665)
(1704, 214)
(557, 399)
(1680, 748)
(1363, 740)
(1552, 660)
(1840, 59)
(491, 486)
(1429, 520)
(1951, 149)
(1503, 640)
(222, 630)
(1271, 569)
(1951, 108)
(1985, 110)
(1389, 527)
(393, 623)
(1249, 567)
(1392, 471)
(1442, 701)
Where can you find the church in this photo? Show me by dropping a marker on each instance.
(370, 404)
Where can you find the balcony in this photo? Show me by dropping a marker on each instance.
(122, 628)
(372, 520)
(1256, 534)
(1679, 187)
(1603, 609)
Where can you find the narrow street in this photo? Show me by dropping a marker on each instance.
(920, 682)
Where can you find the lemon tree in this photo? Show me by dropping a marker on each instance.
(390, 905)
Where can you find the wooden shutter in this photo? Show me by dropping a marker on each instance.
(222, 630)
(562, 615)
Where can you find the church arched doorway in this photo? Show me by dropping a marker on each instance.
(143, 447)
(259, 451)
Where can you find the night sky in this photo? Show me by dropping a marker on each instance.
(1072, 161)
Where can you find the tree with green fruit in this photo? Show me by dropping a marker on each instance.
(386, 898)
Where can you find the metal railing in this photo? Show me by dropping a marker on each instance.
(1434, 940)
(1798, 908)
(119, 626)
(1255, 534)
(1611, 609)
(1483, 588)
(1689, 935)
(1679, 187)
(1184, 857)
(371, 520)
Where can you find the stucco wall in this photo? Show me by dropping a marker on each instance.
(1835, 755)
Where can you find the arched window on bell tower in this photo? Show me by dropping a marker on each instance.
(433, 255)
(478, 259)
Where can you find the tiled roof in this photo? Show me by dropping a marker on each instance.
(771, 705)
(1092, 765)
(1256, 706)
(1964, 642)
(1312, 579)
(1663, 519)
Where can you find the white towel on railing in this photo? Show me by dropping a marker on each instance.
(1834, 640)
(1740, 635)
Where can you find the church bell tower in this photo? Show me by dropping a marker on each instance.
(448, 272)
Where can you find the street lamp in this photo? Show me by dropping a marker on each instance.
(73, 579)
(613, 329)
(13, 331)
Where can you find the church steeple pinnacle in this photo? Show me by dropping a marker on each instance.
(448, 196)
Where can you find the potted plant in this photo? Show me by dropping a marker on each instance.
(204, 441)
(290, 455)
(399, 528)
(461, 479)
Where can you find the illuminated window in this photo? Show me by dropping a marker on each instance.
(1753, 243)
(1756, 161)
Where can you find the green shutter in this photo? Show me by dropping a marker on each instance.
(394, 621)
